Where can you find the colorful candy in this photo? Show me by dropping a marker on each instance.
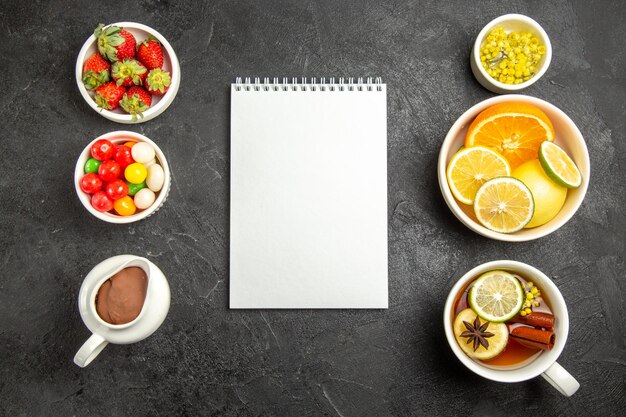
(155, 178)
(144, 198)
(123, 156)
(133, 188)
(109, 170)
(102, 150)
(90, 183)
(125, 206)
(123, 177)
(101, 202)
(135, 173)
(143, 152)
(116, 189)
(92, 165)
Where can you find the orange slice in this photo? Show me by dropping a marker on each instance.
(470, 168)
(513, 128)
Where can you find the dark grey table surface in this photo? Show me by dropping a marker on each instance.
(209, 360)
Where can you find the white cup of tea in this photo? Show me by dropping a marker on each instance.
(544, 363)
(154, 310)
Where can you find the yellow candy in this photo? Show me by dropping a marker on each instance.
(125, 206)
(135, 173)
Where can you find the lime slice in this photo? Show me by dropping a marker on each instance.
(496, 340)
(496, 296)
(470, 168)
(504, 205)
(559, 166)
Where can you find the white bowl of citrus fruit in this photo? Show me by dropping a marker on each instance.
(514, 168)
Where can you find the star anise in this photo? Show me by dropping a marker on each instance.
(477, 333)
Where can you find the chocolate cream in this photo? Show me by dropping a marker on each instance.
(121, 297)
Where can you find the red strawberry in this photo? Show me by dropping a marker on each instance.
(115, 43)
(96, 71)
(158, 81)
(129, 72)
(150, 54)
(135, 101)
(108, 95)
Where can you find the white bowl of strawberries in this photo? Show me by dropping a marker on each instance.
(127, 72)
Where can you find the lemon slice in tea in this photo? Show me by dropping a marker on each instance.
(468, 329)
(559, 166)
(470, 168)
(496, 296)
(504, 205)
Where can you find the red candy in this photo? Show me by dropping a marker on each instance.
(117, 189)
(101, 202)
(123, 156)
(90, 183)
(109, 170)
(102, 150)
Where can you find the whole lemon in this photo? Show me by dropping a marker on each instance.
(548, 195)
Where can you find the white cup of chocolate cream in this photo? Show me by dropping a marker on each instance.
(122, 300)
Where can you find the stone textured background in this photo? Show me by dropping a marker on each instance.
(209, 360)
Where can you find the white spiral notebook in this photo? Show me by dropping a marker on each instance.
(308, 207)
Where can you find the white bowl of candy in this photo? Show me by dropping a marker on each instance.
(122, 177)
(127, 72)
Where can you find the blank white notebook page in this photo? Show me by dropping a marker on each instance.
(308, 213)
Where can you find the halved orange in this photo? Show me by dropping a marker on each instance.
(514, 129)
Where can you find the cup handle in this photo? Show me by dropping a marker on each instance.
(89, 350)
(560, 379)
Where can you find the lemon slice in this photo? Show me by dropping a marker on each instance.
(470, 168)
(496, 296)
(504, 205)
(559, 166)
(496, 340)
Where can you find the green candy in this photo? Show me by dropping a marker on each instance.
(92, 165)
(133, 188)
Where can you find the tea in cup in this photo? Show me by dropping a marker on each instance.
(508, 322)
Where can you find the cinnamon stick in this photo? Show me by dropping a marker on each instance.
(533, 338)
(544, 320)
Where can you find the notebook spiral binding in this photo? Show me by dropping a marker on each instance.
(324, 84)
